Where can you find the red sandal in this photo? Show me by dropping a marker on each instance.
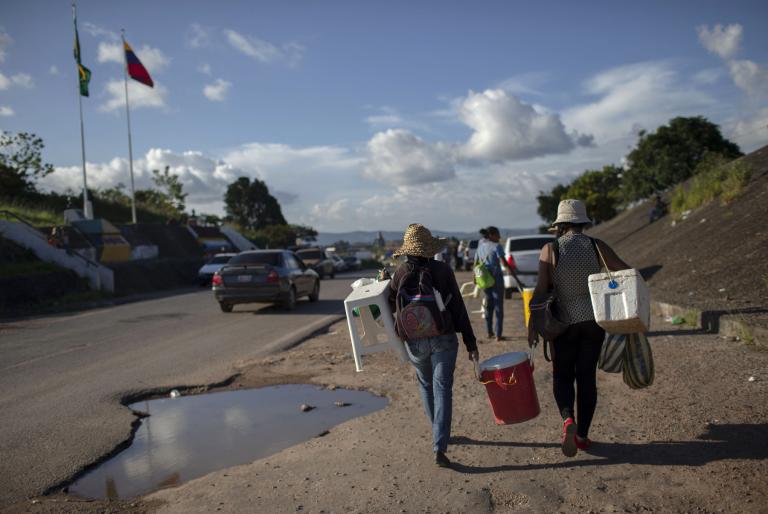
(568, 440)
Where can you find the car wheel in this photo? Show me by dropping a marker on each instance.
(333, 274)
(289, 303)
(315, 294)
(508, 293)
(225, 307)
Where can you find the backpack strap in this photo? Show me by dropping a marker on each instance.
(555, 252)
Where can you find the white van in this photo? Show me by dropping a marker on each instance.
(522, 254)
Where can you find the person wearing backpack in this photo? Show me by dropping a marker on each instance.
(564, 266)
(491, 255)
(429, 311)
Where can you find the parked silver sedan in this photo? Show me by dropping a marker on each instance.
(265, 276)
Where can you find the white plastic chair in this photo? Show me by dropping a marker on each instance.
(375, 337)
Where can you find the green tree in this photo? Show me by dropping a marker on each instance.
(304, 232)
(600, 190)
(547, 208)
(115, 195)
(172, 187)
(21, 163)
(670, 155)
(250, 205)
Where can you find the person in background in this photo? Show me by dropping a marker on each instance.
(460, 249)
(434, 358)
(491, 254)
(574, 353)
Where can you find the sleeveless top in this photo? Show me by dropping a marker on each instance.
(577, 260)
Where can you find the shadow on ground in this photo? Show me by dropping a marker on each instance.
(719, 442)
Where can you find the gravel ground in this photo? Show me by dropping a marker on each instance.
(693, 442)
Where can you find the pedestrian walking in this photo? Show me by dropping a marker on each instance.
(565, 267)
(429, 312)
(491, 254)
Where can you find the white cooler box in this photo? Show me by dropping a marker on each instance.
(621, 307)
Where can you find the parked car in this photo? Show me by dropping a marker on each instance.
(522, 254)
(338, 262)
(318, 260)
(265, 276)
(469, 254)
(353, 263)
(214, 264)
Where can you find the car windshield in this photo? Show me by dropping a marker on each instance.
(310, 254)
(473, 244)
(527, 243)
(220, 259)
(272, 258)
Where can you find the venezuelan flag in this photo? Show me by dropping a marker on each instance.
(136, 70)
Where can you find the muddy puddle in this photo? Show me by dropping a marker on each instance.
(190, 436)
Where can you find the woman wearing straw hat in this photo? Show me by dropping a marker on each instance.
(434, 358)
(575, 353)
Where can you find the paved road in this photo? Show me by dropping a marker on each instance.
(62, 377)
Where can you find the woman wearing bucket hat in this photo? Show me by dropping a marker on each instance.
(564, 266)
(434, 358)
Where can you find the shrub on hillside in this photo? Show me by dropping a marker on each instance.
(714, 177)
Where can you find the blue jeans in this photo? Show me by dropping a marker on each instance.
(494, 303)
(435, 359)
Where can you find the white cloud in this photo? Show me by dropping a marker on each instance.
(723, 41)
(139, 94)
(642, 95)
(23, 80)
(525, 83)
(98, 31)
(152, 58)
(507, 129)
(708, 76)
(398, 157)
(5, 42)
(264, 51)
(53, 70)
(217, 92)
(751, 132)
(204, 68)
(198, 36)
(750, 76)
(6, 111)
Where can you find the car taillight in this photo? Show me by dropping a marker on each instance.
(273, 277)
(217, 280)
(511, 262)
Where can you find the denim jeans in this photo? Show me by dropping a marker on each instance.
(494, 303)
(435, 359)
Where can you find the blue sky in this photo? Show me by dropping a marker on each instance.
(372, 115)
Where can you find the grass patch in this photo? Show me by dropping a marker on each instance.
(37, 216)
(714, 177)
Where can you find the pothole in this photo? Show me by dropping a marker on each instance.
(190, 436)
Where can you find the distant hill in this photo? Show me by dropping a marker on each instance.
(367, 237)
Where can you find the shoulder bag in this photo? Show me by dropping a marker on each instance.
(547, 319)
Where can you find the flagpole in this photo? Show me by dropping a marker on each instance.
(86, 207)
(128, 118)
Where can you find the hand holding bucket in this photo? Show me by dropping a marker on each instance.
(508, 380)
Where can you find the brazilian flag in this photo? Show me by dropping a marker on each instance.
(84, 74)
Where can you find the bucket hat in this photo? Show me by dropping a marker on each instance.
(572, 211)
(419, 242)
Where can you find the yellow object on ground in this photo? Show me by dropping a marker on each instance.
(527, 295)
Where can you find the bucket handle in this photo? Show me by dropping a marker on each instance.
(512, 381)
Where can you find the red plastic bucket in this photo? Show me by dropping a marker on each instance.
(508, 379)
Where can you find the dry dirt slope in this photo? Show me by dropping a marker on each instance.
(716, 259)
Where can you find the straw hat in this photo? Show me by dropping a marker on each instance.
(572, 211)
(418, 241)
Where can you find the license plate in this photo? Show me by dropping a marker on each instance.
(243, 278)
